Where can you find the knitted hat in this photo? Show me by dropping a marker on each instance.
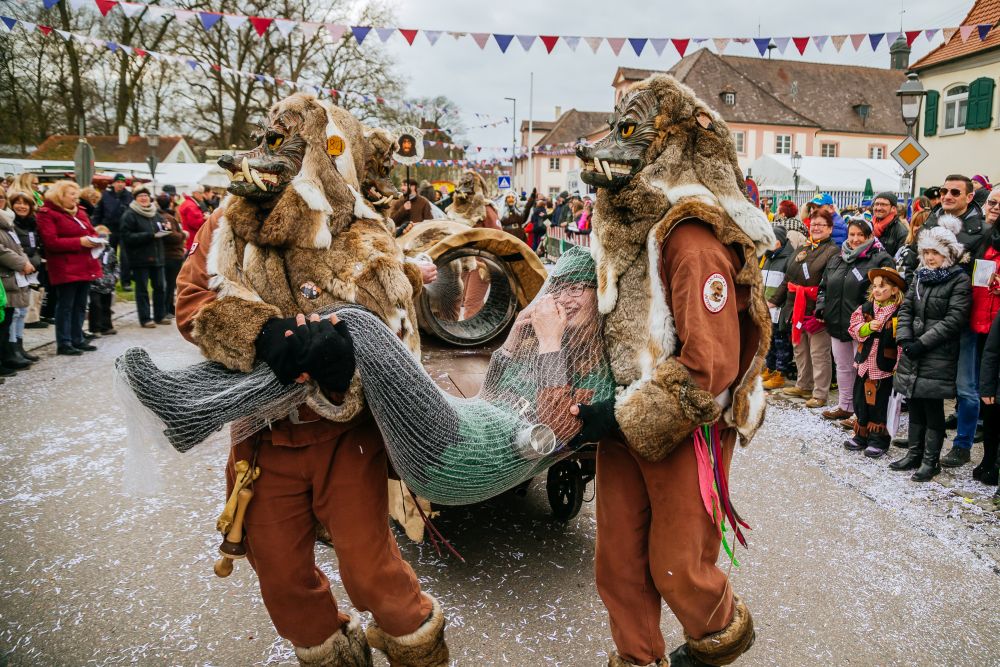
(942, 237)
(141, 190)
(888, 196)
(576, 265)
(982, 180)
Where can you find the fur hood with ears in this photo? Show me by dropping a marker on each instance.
(944, 239)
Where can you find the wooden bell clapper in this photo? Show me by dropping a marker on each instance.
(230, 522)
(232, 545)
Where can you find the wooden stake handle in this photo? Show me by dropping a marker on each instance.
(224, 566)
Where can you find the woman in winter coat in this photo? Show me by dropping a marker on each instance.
(797, 299)
(23, 206)
(14, 269)
(845, 287)
(68, 239)
(934, 312)
(778, 364)
(143, 231)
(173, 251)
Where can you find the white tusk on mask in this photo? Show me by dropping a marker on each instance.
(256, 179)
(607, 170)
(246, 169)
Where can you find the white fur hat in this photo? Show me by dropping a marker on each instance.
(943, 239)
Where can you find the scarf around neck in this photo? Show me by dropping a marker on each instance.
(145, 211)
(934, 276)
(851, 255)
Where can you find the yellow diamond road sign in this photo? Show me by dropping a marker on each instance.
(909, 154)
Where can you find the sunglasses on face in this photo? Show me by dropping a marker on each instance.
(954, 192)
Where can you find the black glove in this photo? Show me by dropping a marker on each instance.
(915, 350)
(329, 355)
(598, 421)
(284, 354)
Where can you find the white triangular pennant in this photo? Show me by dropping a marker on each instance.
(285, 26)
(28, 26)
(131, 9)
(593, 42)
(183, 15)
(571, 42)
(781, 43)
(948, 33)
(156, 13)
(126, 49)
(336, 30)
(526, 41)
(309, 29)
(838, 41)
(80, 4)
(235, 22)
(720, 44)
(384, 33)
(659, 43)
(432, 36)
(65, 35)
(819, 41)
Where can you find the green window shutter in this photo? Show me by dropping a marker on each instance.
(931, 113)
(980, 114)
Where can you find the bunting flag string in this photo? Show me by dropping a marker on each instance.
(285, 26)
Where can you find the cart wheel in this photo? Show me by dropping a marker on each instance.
(565, 487)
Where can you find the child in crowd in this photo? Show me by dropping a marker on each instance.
(778, 364)
(933, 314)
(102, 289)
(873, 326)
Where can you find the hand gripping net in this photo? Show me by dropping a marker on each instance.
(449, 450)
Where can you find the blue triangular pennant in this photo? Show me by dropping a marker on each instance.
(49, 4)
(112, 46)
(638, 44)
(984, 29)
(208, 19)
(762, 43)
(193, 64)
(503, 41)
(9, 22)
(875, 38)
(360, 32)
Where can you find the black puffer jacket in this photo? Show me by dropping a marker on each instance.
(845, 287)
(894, 236)
(31, 242)
(934, 315)
(139, 236)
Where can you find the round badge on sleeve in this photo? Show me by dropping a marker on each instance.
(715, 293)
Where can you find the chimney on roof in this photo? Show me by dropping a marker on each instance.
(899, 55)
(558, 112)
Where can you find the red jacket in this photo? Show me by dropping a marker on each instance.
(66, 260)
(192, 218)
(986, 300)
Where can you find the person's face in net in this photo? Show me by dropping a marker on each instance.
(579, 302)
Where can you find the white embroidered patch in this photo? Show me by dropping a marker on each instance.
(715, 292)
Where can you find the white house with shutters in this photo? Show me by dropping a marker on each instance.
(960, 127)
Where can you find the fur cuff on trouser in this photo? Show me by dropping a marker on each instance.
(663, 411)
(227, 328)
(729, 643)
(617, 661)
(347, 647)
(424, 647)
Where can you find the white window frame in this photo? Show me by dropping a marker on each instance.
(554, 192)
(729, 99)
(555, 164)
(955, 101)
(872, 148)
(740, 141)
(778, 142)
(829, 144)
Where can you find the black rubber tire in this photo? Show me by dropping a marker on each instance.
(494, 318)
(565, 487)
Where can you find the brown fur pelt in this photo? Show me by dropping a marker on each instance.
(424, 647)
(469, 204)
(347, 647)
(317, 244)
(226, 329)
(729, 643)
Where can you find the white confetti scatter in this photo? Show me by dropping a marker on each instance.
(849, 563)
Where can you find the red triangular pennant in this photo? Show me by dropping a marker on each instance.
(408, 35)
(681, 45)
(549, 41)
(44, 29)
(259, 23)
(801, 43)
(911, 35)
(105, 6)
(142, 53)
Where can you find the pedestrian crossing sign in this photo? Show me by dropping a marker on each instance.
(503, 182)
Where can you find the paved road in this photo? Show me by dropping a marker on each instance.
(848, 564)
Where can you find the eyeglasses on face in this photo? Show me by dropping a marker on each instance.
(572, 289)
(992, 203)
(954, 192)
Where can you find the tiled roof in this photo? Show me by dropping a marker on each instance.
(574, 124)
(983, 12)
(537, 125)
(106, 148)
(794, 92)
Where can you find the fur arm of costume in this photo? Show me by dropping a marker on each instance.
(226, 329)
(662, 412)
(416, 278)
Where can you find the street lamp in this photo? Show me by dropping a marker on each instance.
(513, 141)
(911, 94)
(796, 163)
(153, 139)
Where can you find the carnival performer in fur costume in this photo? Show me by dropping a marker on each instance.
(297, 236)
(471, 205)
(687, 331)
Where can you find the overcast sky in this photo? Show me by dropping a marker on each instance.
(480, 80)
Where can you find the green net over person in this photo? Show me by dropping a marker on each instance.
(449, 450)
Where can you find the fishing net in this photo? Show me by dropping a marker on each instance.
(448, 450)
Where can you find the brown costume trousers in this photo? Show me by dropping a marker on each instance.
(656, 542)
(336, 473)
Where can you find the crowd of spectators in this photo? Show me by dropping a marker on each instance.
(64, 250)
(899, 316)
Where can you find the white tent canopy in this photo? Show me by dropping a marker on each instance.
(186, 177)
(826, 174)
